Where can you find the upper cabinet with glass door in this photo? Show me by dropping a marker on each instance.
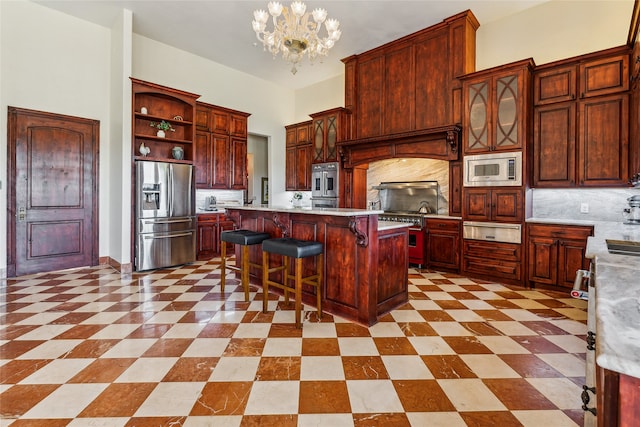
(329, 128)
(496, 116)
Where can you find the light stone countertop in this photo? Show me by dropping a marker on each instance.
(617, 281)
(309, 210)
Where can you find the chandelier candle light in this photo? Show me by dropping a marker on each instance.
(294, 33)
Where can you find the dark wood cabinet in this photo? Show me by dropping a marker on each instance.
(496, 114)
(220, 148)
(603, 138)
(493, 204)
(491, 260)
(554, 145)
(581, 121)
(209, 227)
(153, 104)
(328, 128)
(298, 157)
(455, 188)
(443, 244)
(212, 162)
(388, 92)
(555, 252)
(238, 163)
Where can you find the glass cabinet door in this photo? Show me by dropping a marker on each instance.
(332, 138)
(506, 121)
(318, 140)
(478, 122)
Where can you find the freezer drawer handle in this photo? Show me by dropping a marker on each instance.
(173, 221)
(170, 236)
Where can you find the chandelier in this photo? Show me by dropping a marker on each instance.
(294, 33)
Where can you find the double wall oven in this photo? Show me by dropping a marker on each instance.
(324, 185)
(410, 202)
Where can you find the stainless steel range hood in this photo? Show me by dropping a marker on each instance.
(409, 197)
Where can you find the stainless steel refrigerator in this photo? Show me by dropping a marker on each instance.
(165, 215)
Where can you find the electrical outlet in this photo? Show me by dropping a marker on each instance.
(584, 207)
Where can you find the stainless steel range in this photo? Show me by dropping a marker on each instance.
(410, 202)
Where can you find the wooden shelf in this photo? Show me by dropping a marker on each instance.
(157, 138)
(162, 159)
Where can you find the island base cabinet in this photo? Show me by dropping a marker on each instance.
(391, 279)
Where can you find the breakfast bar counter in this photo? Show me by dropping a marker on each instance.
(365, 261)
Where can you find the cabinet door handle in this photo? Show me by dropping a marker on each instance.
(591, 341)
(585, 393)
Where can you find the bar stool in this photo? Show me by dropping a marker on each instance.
(296, 249)
(245, 238)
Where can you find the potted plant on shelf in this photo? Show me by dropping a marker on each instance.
(162, 127)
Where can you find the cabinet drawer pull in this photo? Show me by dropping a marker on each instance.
(591, 341)
(586, 398)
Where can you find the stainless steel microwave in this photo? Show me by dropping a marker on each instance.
(493, 170)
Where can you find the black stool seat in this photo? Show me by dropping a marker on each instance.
(293, 248)
(243, 237)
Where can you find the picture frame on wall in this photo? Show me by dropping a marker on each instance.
(264, 194)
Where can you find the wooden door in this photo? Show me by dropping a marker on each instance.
(238, 164)
(477, 117)
(554, 145)
(506, 205)
(53, 192)
(603, 141)
(570, 259)
(543, 260)
(202, 159)
(220, 161)
(477, 204)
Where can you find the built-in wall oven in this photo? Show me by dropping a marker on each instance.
(325, 185)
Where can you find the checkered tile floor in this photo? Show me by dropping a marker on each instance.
(88, 347)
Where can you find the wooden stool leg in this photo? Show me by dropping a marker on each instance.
(319, 286)
(265, 281)
(223, 264)
(285, 278)
(298, 292)
(245, 271)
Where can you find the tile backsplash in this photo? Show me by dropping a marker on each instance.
(394, 170)
(228, 197)
(604, 204)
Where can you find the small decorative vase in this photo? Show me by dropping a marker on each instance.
(177, 153)
(297, 203)
(160, 133)
(143, 110)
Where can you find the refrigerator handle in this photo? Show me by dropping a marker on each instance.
(170, 191)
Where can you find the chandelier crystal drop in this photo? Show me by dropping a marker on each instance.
(295, 32)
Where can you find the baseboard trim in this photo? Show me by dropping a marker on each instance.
(122, 268)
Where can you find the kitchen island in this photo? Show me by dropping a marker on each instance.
(614, 319)
(365, 260)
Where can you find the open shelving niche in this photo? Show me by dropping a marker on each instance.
(162, 103)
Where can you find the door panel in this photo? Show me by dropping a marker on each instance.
(52, 192)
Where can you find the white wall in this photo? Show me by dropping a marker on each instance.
(57, 63)
(554, 30)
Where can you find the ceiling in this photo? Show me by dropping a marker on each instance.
(220, 30)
